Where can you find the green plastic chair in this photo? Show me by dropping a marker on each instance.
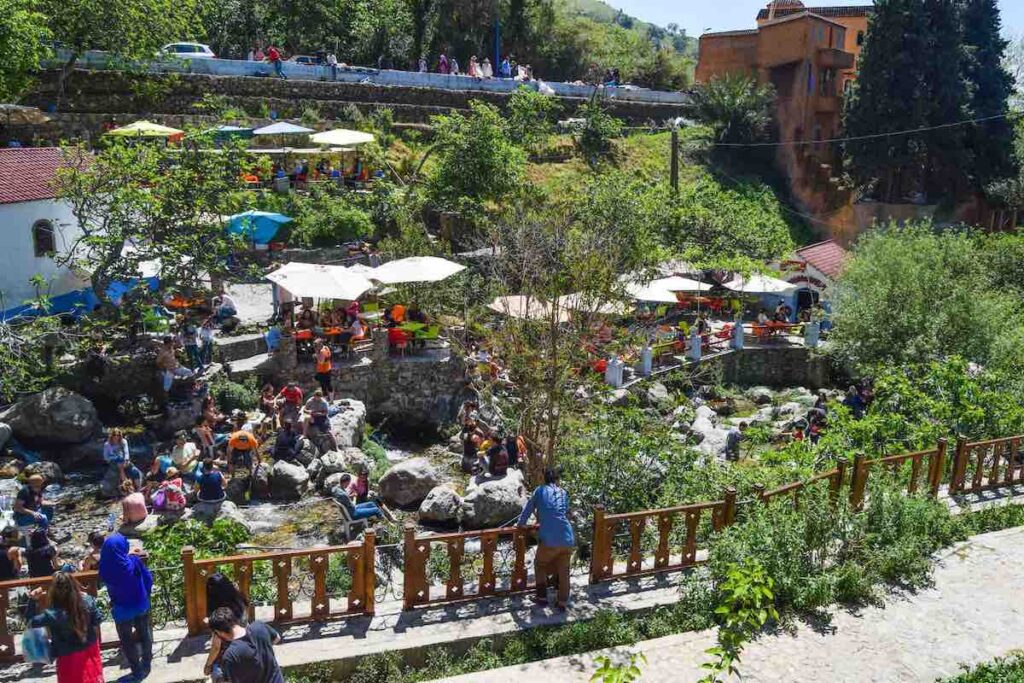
(432, 333)
(371, 307)
(661, 311)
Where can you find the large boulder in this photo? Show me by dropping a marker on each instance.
(330, 482)
(704, 430)
(86, 454)
(54, 417)
(288, 481)
(408, 483)
(10, 467)
(261, 482)
(50, 470)
(208, 513)
(110, 485)
(308, 452)
(237, 490)
(5, 434)
(491, 502)
(348, 425)
(618, 398)
(140, 529)
(760, 395)
(657, 395)
(441, 506)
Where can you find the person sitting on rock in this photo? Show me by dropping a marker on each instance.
(316, 410)
(116, 453)
(170, 497)
(133, 504)
(242, 448)
(29, 504)
(287, 444)
(497, 459)
(91, 561)
(289, 401)
(10, 554)
(211, 484)
(42, 556)
(185, 456)
(367, 510)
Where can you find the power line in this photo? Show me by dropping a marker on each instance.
(872, 136)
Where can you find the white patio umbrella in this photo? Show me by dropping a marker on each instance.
(651, 294)
(282, 128)
(341, 137)
(677, 283)
(525, 308)
(760, 284)
(579, 302)
(317, 281)
(415, 269)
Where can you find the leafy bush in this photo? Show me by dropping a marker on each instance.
(593, 137)
(325, 219)
(230, 395)
(1009, 670)
(530, 117)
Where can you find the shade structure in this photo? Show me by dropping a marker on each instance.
(146, 129)
(525, 308)
(20, 115)
(584, 304)
(760, 284)
(318, 281)
(362, 269)
(677, 283)
(222, 133)
(416, 269)
(651, 294)
(341, 137)
(282, 128)
(256, 226)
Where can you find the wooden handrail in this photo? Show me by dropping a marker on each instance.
(692, 507)
(276, 555)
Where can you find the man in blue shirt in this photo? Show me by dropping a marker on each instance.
(551, 503)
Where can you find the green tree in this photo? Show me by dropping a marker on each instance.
(138, 204)
(126, 29)
(23, 40)
(323, 218)
(593, 135)
(737, 111)
(383, 28)
(475, 161)
(531, 117)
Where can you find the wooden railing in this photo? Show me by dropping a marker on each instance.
(668, 556)
(985, 465)
(88, 581)
(918, 474)
(489, 581)
(835, 478)
(315, 562)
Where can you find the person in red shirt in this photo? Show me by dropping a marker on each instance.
(274, 57)
(290, 401)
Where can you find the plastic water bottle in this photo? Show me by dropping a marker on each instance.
(110, 521)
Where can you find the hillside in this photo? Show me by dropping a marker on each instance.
(602, 12)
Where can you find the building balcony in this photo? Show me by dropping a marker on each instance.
(834, 58)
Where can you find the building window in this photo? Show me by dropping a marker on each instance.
(860, 38)
(44, 242)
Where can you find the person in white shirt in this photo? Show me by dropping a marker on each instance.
(224, 306)
(486, 70)
(332, 61)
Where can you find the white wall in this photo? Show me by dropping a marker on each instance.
(18, 261)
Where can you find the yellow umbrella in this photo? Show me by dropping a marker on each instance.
(145, 129)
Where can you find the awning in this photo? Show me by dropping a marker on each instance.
(341, 137)
(317, 281)
(760, 284)
(651, 294)
(282, 128)
(416, 269)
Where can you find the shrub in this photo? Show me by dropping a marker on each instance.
(230, 395)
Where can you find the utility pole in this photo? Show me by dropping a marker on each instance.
(674, 161)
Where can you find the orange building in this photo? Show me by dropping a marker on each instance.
(809, 55)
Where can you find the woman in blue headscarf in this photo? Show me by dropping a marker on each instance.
(129, 584)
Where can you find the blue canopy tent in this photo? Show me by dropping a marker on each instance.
(259, 227)
(79, 301)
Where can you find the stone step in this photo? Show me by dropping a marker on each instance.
(251, 366)
(237, 347)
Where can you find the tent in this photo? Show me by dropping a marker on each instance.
(416, 269)
(317, 281)
(258, 227)
(282, 128)
(340, 137)
(225, 133)
(650, 294)
(147, 129)
(525, 308)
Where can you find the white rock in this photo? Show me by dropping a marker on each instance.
(442, 505)
(407, 483)
(491, 502)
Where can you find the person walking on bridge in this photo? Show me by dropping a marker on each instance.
(551, 503)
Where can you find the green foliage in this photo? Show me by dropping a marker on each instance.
(610, 672)
(220, 538)
(324, 218)
(735, 107)
(475, 161)
(230, 395)
(23, 43)
(1003, 670)
(746, 606)
(594, 134)
(531, 117)
(912, 294)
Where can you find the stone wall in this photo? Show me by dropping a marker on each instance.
(780, 367)
(93, 97)
(126, 376)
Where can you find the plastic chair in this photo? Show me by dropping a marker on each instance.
(432, 333)
(371, 307)
(398, 340)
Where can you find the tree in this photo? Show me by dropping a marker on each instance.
(126, 29)
(531, 117)
(991, 141)
(594, 134)
(382, 28)
(23, 44)
(138, 204)
(735, 107)
(475, 160)
(324, 219)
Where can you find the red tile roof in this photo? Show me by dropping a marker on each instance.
(827, 256)
(853, 11)
(27, 173)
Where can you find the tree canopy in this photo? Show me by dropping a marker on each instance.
(23, 43)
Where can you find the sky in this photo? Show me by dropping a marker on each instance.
(696, 16)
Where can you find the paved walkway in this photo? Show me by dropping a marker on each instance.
(973, 613)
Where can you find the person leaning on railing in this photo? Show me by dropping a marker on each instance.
(551, 503)
(72, 622)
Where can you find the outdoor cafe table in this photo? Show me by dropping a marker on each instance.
(772, 327)
(303, 335)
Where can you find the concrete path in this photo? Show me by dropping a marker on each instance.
(973, 613)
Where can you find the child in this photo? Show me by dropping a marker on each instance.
(41, 554)
(170, 497)
(91, 562)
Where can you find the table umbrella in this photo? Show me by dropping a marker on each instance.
(258, 227)
(20, 115)
(317, 281)
(282, 128)
(146, 129)
(341, 137)
(525, 308)
(415, 269)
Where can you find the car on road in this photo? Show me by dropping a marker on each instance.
(187, 51)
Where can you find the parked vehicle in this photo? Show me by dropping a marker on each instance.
(187, 51)
(305, 60)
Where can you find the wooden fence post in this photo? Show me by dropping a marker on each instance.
(835, 485)
(192, 617)
(729, 509)
(369, 571)
(759, 492)
(858, 480)
(937, 469)
(413, 573)
(956, 482)
(597, 546)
